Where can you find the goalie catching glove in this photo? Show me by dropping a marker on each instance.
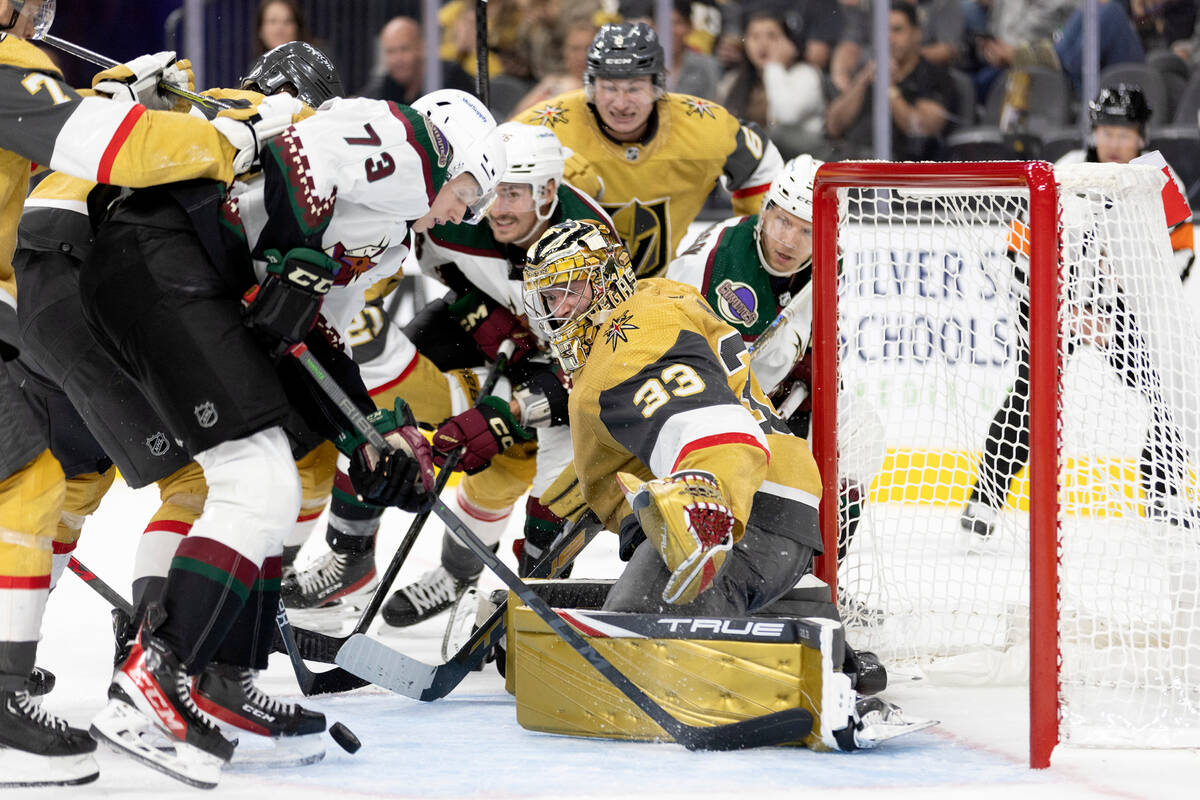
(402, 478)
(138, 80)
(687, 518)
(483, 431)
(286, 304)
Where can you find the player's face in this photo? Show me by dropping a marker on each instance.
(625, 104)
(513, 215)
(35, 17)
(565, 301)
(451, 203)
(787, 240)
(1117, 144)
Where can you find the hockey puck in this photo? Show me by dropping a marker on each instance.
(344, 737)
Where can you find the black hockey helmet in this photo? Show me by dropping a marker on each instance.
(626, 50)
(303, 66)
(1123, 104)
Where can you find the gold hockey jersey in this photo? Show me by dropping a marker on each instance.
(654, 189)
(667, 386)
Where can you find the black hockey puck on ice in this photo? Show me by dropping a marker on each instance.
(344, 737)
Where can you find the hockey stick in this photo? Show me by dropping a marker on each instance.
(790, 725)
(103, 589)
(320, 647)
(482, 82)
(209, 103)
(391, 669)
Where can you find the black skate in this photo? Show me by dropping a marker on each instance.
(876, 721)
(291, 734)
(151, 716)
(41, 682)
(39, 749)
(335, 576)
(432, 593)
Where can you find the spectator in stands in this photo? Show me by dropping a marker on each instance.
(941, 24)
(773, 86)
(919, 97)
(1162, 23)
(400, 73)
(577, 39)
(279, 22)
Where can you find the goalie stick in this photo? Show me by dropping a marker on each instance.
(320, 647)
(789, 725)
(381, 665)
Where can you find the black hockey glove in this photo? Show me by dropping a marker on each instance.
(286, 304)
(402, 478)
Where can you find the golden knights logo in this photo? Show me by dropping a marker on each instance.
(645, 227)
(699, 107)
(618, 328)
(550, 115)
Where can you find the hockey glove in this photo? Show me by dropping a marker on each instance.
(248, 128)
(138, 80)
(286, 304)
(483, 431)
(687, 518)
(490, 324)
(402, 478)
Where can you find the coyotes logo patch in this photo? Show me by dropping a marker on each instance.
(618, 328)
(355, 261)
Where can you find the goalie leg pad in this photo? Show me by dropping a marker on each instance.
(687, 518)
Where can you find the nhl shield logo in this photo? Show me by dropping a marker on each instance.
(632, 153)
(158, 444)
(206, 414)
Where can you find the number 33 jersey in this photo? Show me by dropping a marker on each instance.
(349, 181)
(667, 386)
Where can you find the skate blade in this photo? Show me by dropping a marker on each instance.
(461, 624)
(873, 735)
(334, 620)
(276, 752)
(127, 731)
(20, 768)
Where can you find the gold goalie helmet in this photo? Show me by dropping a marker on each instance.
(577, 273)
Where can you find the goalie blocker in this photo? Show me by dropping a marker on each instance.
(709, 670)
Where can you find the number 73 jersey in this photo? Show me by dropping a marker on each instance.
(667, 386)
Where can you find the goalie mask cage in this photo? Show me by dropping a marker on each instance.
(1019, 332)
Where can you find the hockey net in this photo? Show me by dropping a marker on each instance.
(926, 396)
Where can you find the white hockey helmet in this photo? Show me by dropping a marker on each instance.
(37, 16)
(477, 146)
(535, 157)
(792, 191)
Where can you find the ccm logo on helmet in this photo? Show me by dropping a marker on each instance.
(738, 627)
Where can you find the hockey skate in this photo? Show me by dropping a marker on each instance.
(39, 749)
(41, 682)
(463, 616)
(287, 735)
(151, 696)
(332, 592)
(432, 593)
(876, 721)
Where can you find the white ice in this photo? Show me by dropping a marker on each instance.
(469, 744)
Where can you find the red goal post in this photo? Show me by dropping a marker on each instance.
(1038, 179)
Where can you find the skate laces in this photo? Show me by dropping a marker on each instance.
(24, 705)
(325, 573)
(260, 698)
(183, 693)
(434, 588)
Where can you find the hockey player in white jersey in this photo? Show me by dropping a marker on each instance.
(482, 265)
(242, 283)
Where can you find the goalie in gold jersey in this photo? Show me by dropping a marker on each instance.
(668, 421)
(657, 154)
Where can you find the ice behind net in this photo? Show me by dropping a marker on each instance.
(933, 411)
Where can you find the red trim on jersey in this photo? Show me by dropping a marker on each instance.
(310, 516)
(24, 581)
(576, 623)
(746, 191)
(709, 262)
(60, 548)
(716, 440)
(168, 526)
(104, 171)
(481, 514)
(399, 378)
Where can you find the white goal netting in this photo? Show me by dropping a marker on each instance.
(932, 436)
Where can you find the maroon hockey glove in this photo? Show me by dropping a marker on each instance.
(490, 324)
(402, 478)
(482, 432)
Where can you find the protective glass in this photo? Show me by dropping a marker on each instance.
(39, 14)
(515, 198)
(477, 202)
(784, 229)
